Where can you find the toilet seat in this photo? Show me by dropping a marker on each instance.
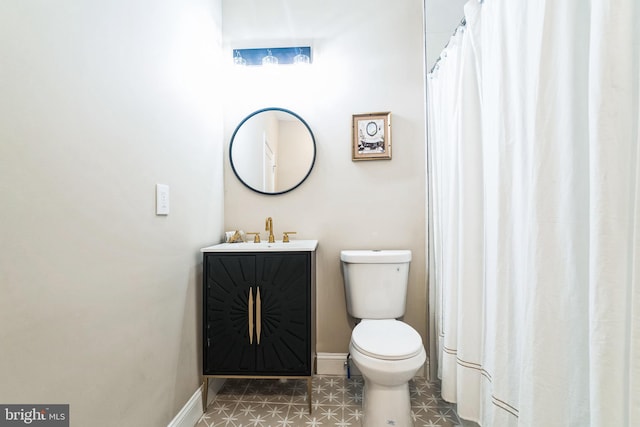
(387, 339)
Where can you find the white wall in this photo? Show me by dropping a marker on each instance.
(367, 57)
(99, 297)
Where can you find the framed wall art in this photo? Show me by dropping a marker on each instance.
(371, 134)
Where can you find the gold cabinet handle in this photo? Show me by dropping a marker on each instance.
(258, 313)
(250, 315)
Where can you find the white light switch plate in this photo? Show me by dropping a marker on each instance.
(162, 199)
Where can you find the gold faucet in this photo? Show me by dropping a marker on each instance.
(268, 226)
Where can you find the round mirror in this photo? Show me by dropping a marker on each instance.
(272, 151)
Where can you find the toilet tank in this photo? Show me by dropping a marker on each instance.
(376, 282)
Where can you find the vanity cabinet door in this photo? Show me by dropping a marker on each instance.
(257, 314)
(228, 294)
(285, 343)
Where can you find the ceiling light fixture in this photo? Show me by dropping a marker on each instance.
(301, 58)
(269, 59)
(272, 56)
(239, 60)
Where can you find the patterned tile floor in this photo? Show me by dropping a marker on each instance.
(337, 401)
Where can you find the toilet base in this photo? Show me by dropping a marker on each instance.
(385, 406)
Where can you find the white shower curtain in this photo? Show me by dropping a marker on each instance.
(534, 180)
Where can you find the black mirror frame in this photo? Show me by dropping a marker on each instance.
(313, 140)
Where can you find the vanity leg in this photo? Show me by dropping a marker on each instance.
(309, 384)
(205, 394)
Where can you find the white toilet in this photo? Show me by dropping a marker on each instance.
(387, 352)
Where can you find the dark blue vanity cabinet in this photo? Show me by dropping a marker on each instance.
(258, 315)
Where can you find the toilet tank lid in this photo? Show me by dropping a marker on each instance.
(368, 256)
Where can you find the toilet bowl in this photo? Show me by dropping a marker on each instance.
(388, 353)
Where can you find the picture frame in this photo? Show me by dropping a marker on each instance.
(371, 136)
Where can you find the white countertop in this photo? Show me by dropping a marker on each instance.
(278, 246)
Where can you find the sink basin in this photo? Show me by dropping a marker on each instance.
(277, 246)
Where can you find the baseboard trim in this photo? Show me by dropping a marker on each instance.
(191, 412)
(333, 364)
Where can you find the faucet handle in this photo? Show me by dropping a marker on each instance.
(256, 239)
(285, 237)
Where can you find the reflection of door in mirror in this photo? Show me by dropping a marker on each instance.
(269, 165)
